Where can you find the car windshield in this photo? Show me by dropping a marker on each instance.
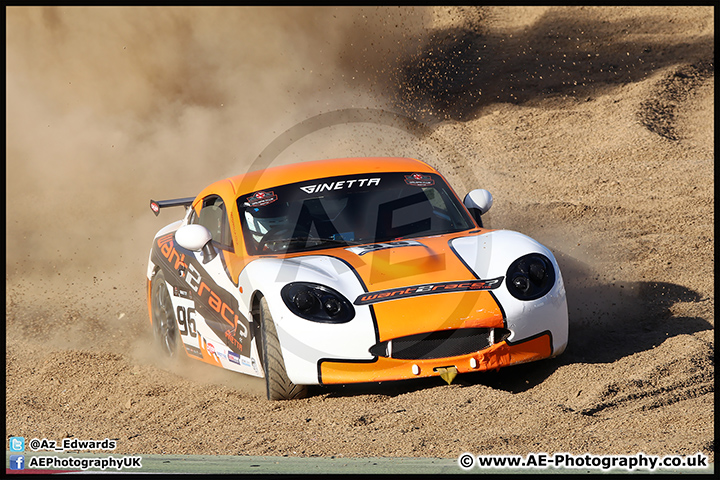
(349, 210)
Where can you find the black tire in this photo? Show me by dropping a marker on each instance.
(165, 326)
(278, 385)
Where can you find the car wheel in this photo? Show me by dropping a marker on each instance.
(164, 325)
(277, 383)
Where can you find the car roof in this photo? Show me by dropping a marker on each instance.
(303, 171)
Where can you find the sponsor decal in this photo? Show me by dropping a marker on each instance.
(175, 259)
(216, 350)
(254, 365)
(240, 359)
(209, 348)
(179, 292)
(234, 358)
(340, 185)
(215, 306)
(260, 199)
(208, 296)
(428, 289)
(155, 207)
(193, 350)
(363, 249)
(233, 341)
(419, 180)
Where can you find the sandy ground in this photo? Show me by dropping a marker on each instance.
(592, 127)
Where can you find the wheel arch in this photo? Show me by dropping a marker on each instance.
(155, 270)
(257, 296)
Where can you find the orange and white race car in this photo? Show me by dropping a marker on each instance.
(350, 270)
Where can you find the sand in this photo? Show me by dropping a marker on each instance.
(593, 127)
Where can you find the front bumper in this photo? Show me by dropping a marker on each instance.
(382, 369)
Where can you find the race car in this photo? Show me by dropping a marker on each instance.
(348, 271)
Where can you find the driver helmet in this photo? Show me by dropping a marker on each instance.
(261, 219)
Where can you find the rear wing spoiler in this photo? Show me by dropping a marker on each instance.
(177, 202)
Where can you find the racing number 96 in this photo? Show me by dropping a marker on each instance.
(186, 321)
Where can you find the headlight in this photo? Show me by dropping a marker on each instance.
(530, 277)
(317, 303)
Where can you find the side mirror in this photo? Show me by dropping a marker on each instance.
(478, 202)
(196, 238)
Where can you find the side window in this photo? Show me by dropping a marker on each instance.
(213, 216)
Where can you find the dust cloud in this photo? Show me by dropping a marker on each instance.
(591, 126)
(108, 107)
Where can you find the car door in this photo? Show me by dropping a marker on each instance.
(222, 332)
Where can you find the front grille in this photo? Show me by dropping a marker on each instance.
(446, 343)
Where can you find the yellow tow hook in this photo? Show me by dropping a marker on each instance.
(447, 373)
